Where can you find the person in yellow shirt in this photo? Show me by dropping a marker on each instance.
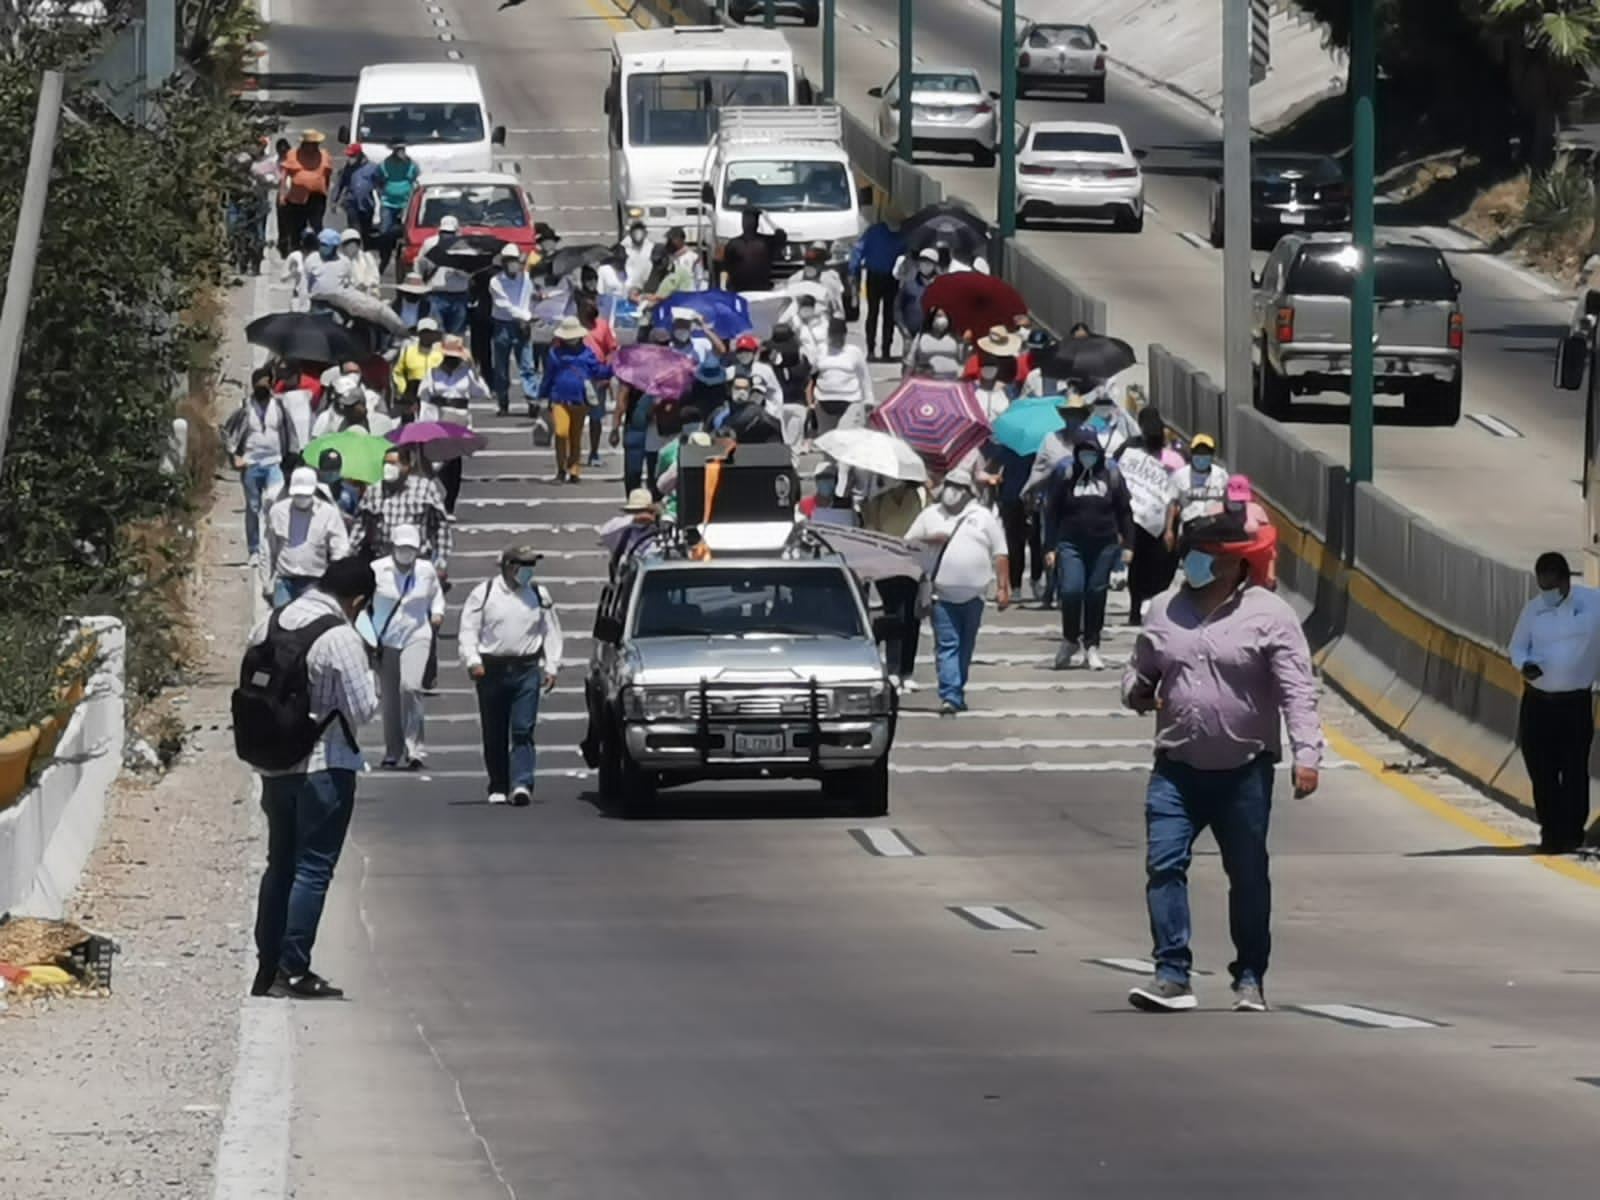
(418, 357)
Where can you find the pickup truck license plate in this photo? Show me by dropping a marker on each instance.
(1294, 218)
(758, 744)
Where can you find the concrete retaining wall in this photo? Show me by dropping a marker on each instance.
(46, 837)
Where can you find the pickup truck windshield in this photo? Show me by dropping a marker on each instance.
(680, 108)
(788, 186)
(1403, 273)
(419, 124)
(774, 602)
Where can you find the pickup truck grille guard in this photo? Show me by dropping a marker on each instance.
(814, 710)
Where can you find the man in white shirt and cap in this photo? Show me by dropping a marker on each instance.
(353, 407)
(450, 286)
(407, 608)
(305, 533)
(511, 646)
(1556, 649)
(512, 295)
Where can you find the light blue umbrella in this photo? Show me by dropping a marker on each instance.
(1024, 426)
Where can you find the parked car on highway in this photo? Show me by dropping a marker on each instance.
(1079, 169)
(486, 203)
(1052, 57)
(1301, 329)
(1289, 192)
(809, 12)
(951, 113)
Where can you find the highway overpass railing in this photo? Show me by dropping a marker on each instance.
(1410, 623)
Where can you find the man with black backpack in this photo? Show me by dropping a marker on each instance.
(305, 687)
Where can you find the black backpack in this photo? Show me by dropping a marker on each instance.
(273, 729)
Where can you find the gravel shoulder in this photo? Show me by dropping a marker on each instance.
(123, 1097)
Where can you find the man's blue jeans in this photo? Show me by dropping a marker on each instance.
(451, 308)
(1083, 577)
(511, 341)
(1180, 803)
(307, 819)
(256, 479)
(955, 636)
(638, 465)
(508, 709)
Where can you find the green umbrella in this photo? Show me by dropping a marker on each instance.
(362, 453)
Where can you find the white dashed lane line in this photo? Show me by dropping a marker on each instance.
(1494, 425)
(1365, 1018)
(995, 918)
(1195, 240)
(885, 843)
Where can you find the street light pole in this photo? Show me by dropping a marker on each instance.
(1363, 300)
(1006, 204)
(830, 48)
(769, 14)
(1237, 205)
(25, 248)
(906, 147)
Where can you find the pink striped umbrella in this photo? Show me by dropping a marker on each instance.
(940, 419)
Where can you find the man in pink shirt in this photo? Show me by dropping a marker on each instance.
(1217, 661)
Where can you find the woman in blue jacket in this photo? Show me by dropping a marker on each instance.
(569, 382)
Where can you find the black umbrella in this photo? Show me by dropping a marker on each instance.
(1092, 359)
(949, 225)
(571, 259)
(305, 337)
(471, 252)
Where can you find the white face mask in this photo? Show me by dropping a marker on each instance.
(303, 502)
(740, 395)
(405, 556)
(513, 267)
(952, 496)
(941, 324)
(638, 237)
(745, 358)
(391, 472)
(926, 269)
(351, 249)
(989, 374)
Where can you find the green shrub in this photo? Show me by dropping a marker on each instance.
(1559, 201)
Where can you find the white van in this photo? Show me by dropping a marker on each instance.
(436, 108)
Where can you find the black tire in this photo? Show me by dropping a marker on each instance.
(862, 792)
(1097, 92)
(1214, 234)
(1272, 390)
(609, 766)
(636, 788)
(1434, 403)
(1024, 221)
(983, 158)
(1130, 222)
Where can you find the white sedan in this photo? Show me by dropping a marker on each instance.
(951, 113)
(1077, 169)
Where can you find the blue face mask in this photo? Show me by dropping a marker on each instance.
(1552, 597)
(1088, 460)
(825, 489)
(1100, 421)
(1199, 568)
(1201, 463)
(525, 576)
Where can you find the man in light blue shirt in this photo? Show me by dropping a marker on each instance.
(1556, 647)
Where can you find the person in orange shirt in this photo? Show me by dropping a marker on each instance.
(603, 341)
(307, 177)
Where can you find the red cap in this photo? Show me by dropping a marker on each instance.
(747, 341)
(353, 149)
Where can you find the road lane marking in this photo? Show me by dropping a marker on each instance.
(453, 55)
(863, 28)
(886, 44)
(1494, 425)
(885, 843)
(995, 918)
(1195, 240)
(1365, 1018)
(1129, 966)
(252, 1161)
(550, 131)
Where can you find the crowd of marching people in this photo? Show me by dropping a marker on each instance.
(1001, 455)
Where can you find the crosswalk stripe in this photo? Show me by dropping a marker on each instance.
(995, 918)
(885, 843)
(1366, 1018)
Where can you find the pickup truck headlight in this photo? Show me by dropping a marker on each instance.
(870, 701)
(642, 704)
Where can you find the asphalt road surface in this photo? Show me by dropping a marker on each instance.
(749, 997)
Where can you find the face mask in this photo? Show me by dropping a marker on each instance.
(808, 312)
(391, 472)
(451, 364)
(263, 394)
(329, 253)
(740, 396)
(405, 557)
(926, 270)
(744, 358)
(328, 479)
(1552, 597)
(303, 502)
(941, 324)
(524, 576)
(952, 496)
(989, 374)
(1100, 421)
(810, 272)
(1201, 463)
(825, 489)
(1088, 460)
(350, 249)
(638, 237)
(513, 268)
(1199, 568)
(680, 336)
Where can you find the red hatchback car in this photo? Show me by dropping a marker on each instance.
(486, 203)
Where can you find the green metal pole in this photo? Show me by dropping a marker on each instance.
(1006, 204)
(769, 14)
(907, 63)
(830, 48)
(1363, 302)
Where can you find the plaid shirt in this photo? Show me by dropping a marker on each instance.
(418, 502)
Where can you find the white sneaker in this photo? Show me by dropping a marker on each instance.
(910, 685)
(497, 798)
(1096, 663)
(255, 561)
(521, 797)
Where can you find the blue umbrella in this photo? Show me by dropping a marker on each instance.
(1024, 426)
(727, 313)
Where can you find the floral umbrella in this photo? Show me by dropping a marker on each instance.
(940, 419)
(657, 371)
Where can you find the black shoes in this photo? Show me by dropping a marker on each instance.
(282, 985)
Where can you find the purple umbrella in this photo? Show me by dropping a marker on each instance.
(441, 441)
(655, 370)
(940, 419)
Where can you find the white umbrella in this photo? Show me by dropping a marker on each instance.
(873, 452)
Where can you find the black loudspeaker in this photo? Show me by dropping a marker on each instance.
(756, 483)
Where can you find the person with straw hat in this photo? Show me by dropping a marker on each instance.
(636, 525)
(303, 193)
(996, 373)
(411, 303)
(572, 374)
(452, 387)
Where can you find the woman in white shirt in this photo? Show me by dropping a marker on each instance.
(364, 273)
(406, 609)
(935, 351)
(841, 387)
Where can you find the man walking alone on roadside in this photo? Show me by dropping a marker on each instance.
(1216, 661)
(305, 688)
(1556, 647)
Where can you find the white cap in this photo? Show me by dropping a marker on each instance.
(961, 477)
(427, 325)
(303, 482)
(407, 535)
(510, 250)
(929, 254)
(450, 224)
(350, 235)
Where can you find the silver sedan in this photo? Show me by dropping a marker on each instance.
(951, 113)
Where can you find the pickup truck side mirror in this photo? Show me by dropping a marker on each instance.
(708, 195)
(344, 134)
(498, 136)
(805, 91)
(607, 629)
(864, 195)
(876, 93)
(887, 629)
(1455, 288)
(1255, 279)
(1572, 356)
